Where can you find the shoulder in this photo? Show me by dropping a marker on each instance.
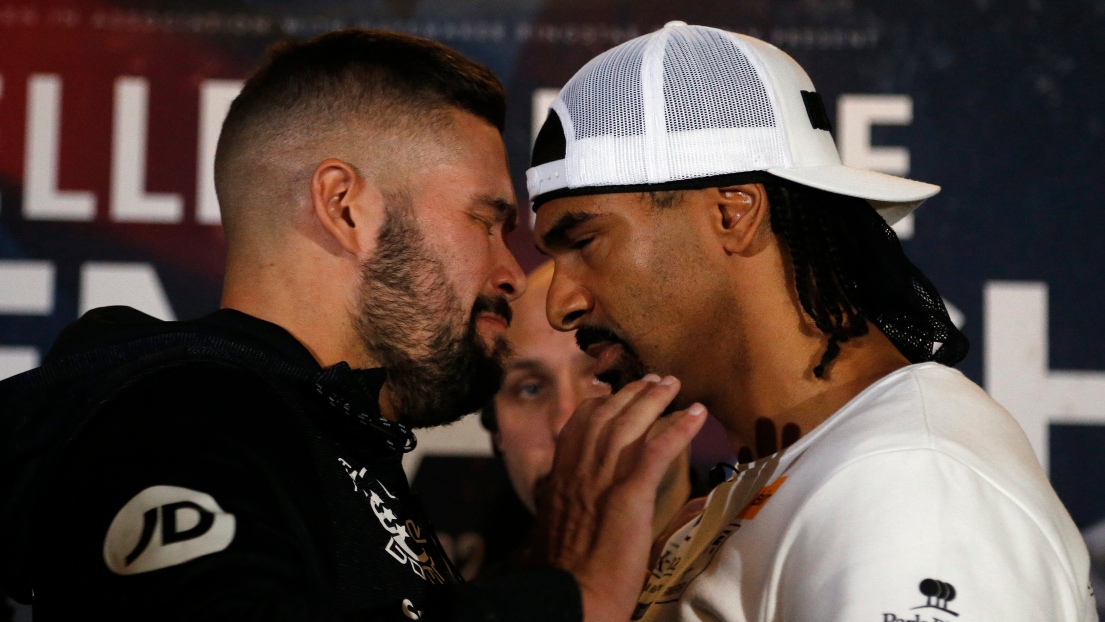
(927, 469)
(195, 381)
(193, 396)
(208, 429)
(896, 517)
(929, 406)
(196, 417)
(929, 428)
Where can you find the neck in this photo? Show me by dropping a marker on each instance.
(767, 396)
(286, 291)
(775, 399)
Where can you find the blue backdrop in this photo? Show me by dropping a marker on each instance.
(108, 111)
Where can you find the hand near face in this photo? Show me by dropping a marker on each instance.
(595, 509)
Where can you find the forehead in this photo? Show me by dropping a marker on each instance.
(471, 145)
(621, 204)
(463, 162)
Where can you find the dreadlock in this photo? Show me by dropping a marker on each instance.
(850, 271)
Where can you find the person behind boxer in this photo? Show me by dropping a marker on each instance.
(546, 378)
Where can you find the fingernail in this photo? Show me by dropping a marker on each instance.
(651, 378)
(696, 410)
(668, 380)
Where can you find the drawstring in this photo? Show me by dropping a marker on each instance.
(341, 386)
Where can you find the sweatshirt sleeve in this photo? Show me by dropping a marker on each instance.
(916, 535)
(189, 506)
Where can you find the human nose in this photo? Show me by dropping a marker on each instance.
(568, 302)
(507, 279)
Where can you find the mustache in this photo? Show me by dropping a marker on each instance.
(587, 336)
(495, 305)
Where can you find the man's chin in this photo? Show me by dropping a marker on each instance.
(615, 378)
(677, 404)
(444, 407)
(627, 369)
(423, 420)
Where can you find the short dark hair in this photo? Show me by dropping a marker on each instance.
(356, 66)
(371, 74)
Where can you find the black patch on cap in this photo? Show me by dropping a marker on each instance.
(550, 145)
(815, 108)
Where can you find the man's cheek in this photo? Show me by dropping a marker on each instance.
(541, 468)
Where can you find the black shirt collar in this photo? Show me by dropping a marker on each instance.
(271, 338)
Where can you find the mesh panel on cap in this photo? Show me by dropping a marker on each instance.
(709, 83)
(604, 98)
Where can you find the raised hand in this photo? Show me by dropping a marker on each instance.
(595, 508)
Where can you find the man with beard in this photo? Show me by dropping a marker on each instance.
(246, 465)
(546, 378)
(702, 225)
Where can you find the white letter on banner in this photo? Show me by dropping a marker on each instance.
(129, 200)
(539, 110)
(1015, 365)
(42, 200)
(26, 288)
(1, 89)
(215, 99)
(136, 285)
(855, 116)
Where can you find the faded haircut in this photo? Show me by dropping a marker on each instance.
(394, 81)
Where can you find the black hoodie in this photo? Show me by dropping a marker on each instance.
(212, 470)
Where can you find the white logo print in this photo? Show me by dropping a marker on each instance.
(406, 545)
(165, 526)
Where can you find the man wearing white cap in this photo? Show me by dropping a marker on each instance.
(688, 187)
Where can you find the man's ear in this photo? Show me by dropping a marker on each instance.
(741, 211)
(348, 206)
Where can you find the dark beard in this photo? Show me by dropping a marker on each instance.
(629, 366)
(412, 322)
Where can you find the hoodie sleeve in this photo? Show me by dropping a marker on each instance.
(198, 504)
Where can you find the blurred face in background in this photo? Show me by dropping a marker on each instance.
(545, 380)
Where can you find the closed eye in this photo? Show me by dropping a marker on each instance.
(582, 244)
(486, 223)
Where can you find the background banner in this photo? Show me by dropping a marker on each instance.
(109, 112)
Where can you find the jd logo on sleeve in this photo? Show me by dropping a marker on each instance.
(165, 526)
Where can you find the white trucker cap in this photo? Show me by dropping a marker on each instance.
(691, 103)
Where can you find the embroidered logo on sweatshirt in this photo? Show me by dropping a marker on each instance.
(407, 543)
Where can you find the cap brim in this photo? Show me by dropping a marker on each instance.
(893, 197)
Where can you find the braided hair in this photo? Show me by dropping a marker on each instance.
(850, 271)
